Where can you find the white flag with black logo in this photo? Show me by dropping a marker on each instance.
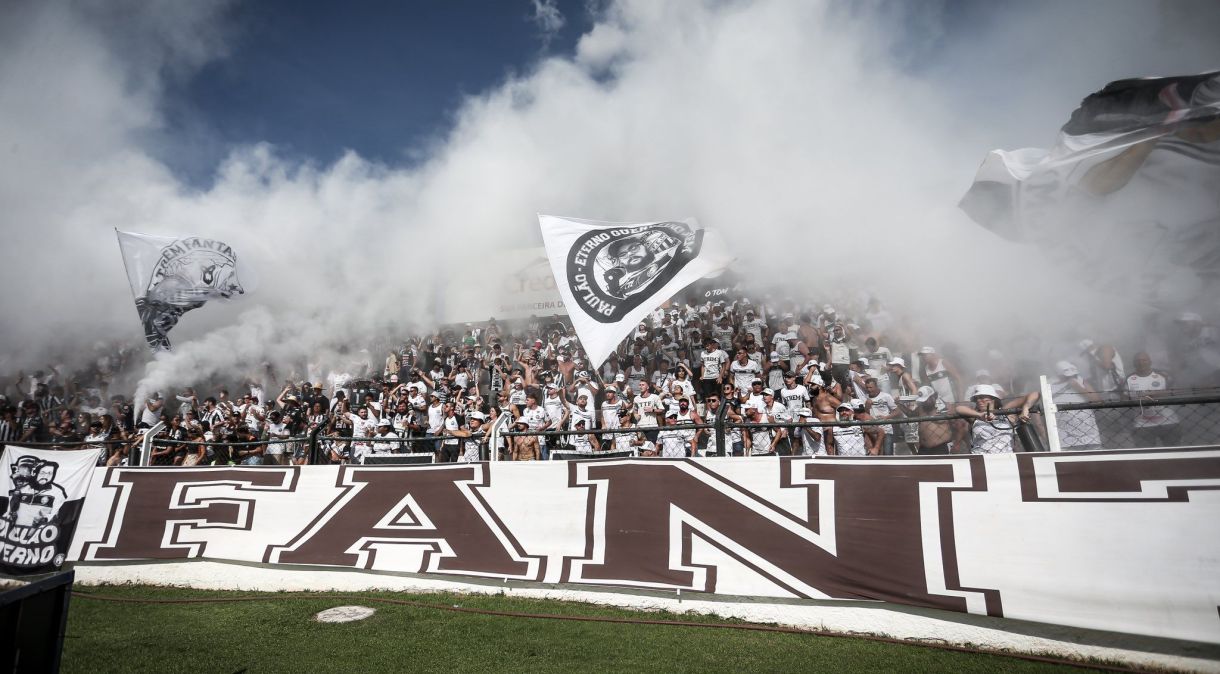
(610, 275)
(41, 496)
(169, 276)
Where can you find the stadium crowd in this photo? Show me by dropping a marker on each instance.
(753, 365)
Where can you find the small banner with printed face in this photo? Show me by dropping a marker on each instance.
(1127, 195)
(169, 276)
(611, 275)
(41, 496)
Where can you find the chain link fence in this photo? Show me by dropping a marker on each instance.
(1177, 421)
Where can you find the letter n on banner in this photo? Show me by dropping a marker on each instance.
(876, 531)
(155, 506)
(437, 508)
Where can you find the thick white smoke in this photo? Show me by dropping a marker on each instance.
(829, 142)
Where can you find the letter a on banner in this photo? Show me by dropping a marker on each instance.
(610, 275)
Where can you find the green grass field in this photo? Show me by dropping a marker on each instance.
(272, 635)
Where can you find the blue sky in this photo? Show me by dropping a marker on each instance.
(375, 76)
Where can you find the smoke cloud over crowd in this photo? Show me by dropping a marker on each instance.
(829, 142)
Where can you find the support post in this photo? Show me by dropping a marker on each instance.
(1049, 412)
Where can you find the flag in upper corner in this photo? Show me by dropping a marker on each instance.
(1129, 195)
(610, 275)
(42, 493)
(169, 276)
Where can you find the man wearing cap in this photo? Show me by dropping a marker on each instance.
(385, 438)
(676, 442)
(810, 438)
(849, 440)
(758, 441)
(992, 433)
(1077, 428)
(939, 374)
(583, 441)
(935, 436)
(611, 408)
(524, 447)
(901, 381)
(473, 438)
(775, 371)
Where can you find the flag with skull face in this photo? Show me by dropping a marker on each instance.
(169, 276)
(611, 274)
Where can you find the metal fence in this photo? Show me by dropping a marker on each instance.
(1180, 420)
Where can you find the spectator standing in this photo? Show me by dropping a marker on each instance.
(1077, 428)
(1155, 425)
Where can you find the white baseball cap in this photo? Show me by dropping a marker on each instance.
(897, 361)
(927, 350)
(925, 393)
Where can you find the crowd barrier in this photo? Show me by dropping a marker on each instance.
(1180, 420)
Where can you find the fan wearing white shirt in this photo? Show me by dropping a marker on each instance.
(714, 368)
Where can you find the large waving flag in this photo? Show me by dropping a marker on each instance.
(610, 275)
(170, 276)
(1130, 193)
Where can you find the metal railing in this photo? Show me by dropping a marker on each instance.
(1182, 420)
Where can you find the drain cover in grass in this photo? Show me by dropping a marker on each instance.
(344, 614)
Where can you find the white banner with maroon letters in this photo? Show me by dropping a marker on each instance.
(1123, 541)
(610, 275)
(41, 495)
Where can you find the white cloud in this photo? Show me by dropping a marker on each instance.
(547, 18)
